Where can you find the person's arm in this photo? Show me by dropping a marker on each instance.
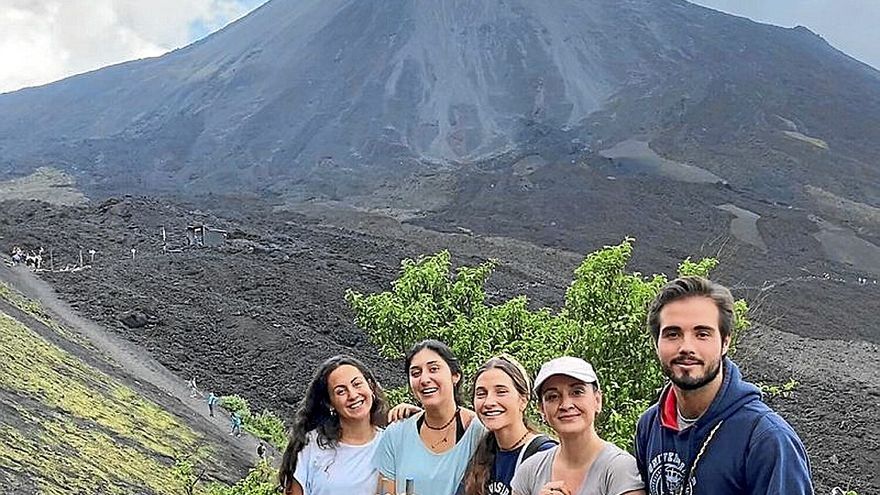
(295, 489)
(402, 411)
(777, 462)
(639, 450)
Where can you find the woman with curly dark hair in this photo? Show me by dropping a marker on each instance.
(336, 432)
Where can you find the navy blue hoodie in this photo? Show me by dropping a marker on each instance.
(739, 446)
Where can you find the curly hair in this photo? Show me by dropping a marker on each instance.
(314, 414)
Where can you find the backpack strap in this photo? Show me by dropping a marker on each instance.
(533, 447)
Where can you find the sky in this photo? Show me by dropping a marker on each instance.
(45, 40)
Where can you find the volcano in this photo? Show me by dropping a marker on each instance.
(332, 98)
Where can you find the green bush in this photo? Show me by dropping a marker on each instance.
(602, 321)
(266, 425)
(259, 481)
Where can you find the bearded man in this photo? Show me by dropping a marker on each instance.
(710, 433)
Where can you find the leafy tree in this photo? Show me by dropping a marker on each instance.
(602, 321)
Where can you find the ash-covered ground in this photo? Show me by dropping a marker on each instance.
(256, 315)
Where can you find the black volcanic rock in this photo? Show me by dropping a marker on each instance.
(332, 97)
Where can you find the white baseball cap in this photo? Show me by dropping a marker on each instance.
(574, 367)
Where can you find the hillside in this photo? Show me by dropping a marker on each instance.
(260, 312)
(72, 422)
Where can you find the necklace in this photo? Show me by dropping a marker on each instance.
(515, 445)
(425, 422)
(439, 443)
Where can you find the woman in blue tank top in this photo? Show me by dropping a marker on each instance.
(431, 448)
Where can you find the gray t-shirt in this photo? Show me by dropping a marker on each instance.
(612, 473)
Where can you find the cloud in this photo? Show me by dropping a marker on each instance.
(46, 40)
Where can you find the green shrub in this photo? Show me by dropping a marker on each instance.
(266, 425)
(259, 481)
(236, 404)
(602, 321)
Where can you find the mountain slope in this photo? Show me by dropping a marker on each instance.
(333, 97)
(71, 422)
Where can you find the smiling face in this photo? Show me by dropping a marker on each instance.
(690, 346)
(431, 380)
(497, 401)
(569, 405)
(350, 393)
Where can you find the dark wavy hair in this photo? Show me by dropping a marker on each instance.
(448, 357)
(684, 287)
(478, 473)
(314, 414)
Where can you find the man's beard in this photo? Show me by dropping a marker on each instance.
(690, 382)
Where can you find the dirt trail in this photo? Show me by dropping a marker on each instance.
(135, 361)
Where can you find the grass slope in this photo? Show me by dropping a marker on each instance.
(67, 427)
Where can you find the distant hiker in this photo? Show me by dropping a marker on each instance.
(193, 389)
(17, 255)
(710, 432)
(261, 450)
(212, 401)
(235, 419)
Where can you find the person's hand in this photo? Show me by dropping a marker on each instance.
(555, 488)
(402, 411)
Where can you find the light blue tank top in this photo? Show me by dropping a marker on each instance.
(402, 455)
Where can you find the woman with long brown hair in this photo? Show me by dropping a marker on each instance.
(337, 430)
(501, 396)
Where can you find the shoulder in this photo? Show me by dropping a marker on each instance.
(468, 417)
(534, 463)
(648, 416)
(617, 456)
(472, 425)
(400, 429)
(771, 427)
(646, 422)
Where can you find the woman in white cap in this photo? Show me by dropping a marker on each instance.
(570, 399)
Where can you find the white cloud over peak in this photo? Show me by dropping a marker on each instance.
(45, 40)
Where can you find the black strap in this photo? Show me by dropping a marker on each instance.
(536, 444)
(459, 426)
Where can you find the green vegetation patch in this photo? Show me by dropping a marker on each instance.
(602, 320)
(35, 309)
(75, 427)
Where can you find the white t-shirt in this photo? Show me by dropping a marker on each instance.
(347, 469)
